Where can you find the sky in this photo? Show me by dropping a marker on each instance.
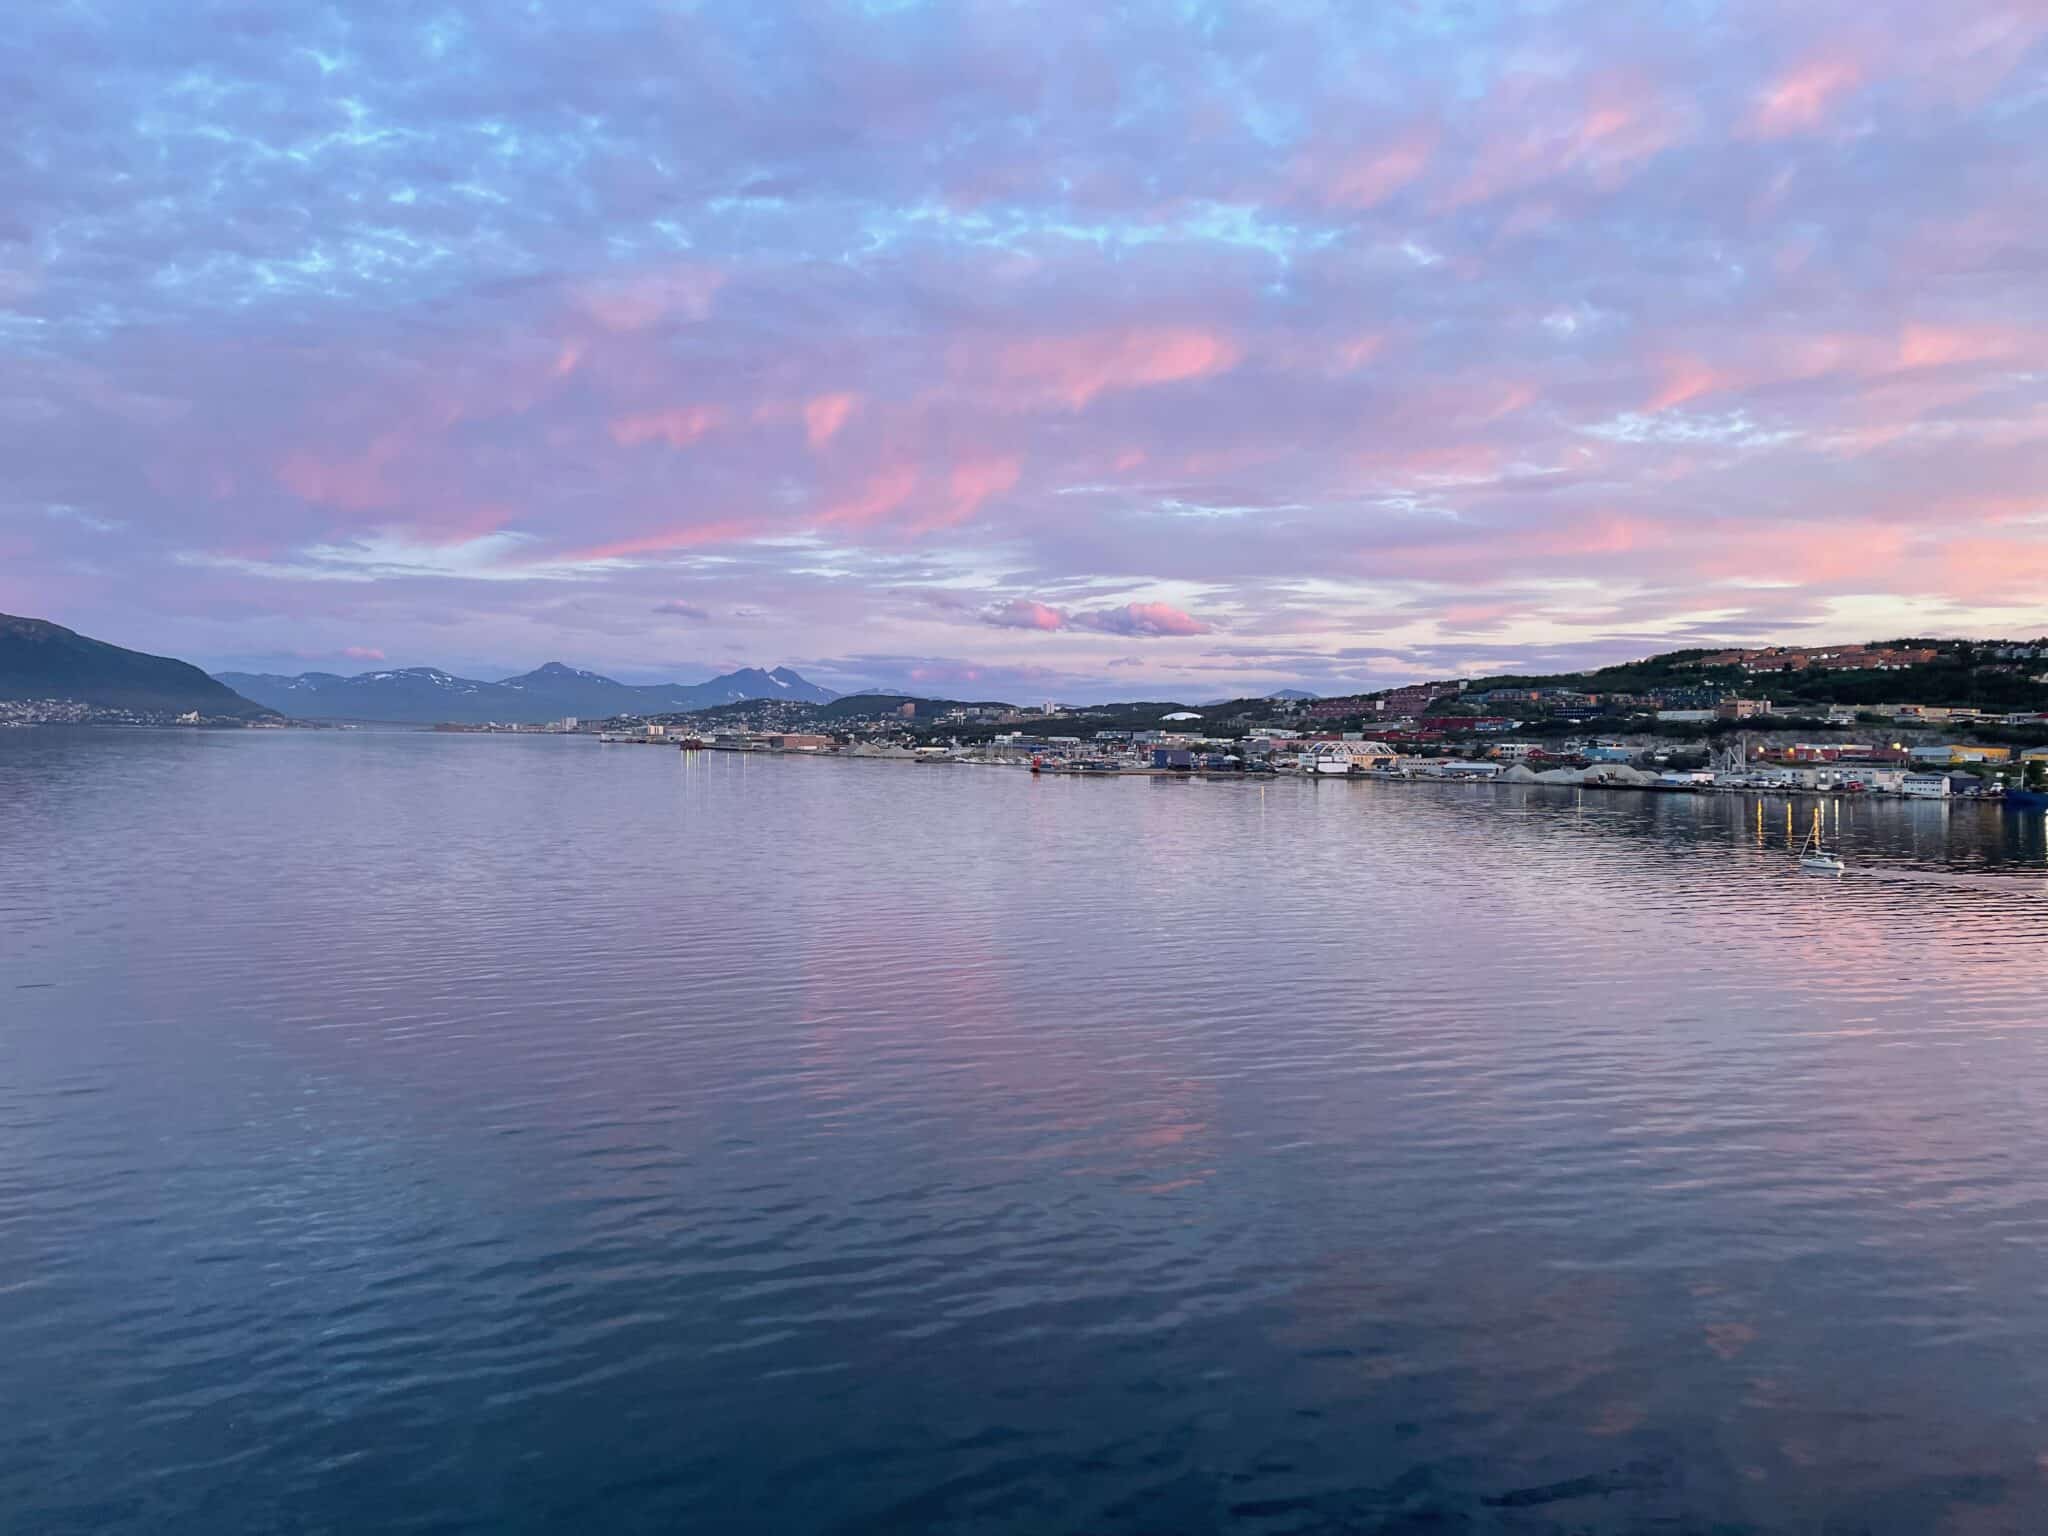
(1073, 350)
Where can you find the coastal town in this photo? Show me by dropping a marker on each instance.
(1690, 736)
(1922, 769)
(1939, 719)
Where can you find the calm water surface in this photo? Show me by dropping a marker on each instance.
(448, 1134)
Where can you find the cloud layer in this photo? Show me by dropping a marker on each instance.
(1026, 347)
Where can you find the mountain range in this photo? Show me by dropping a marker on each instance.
(427, 695)
(41, 660)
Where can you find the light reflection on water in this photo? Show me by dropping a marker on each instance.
(480, 1133)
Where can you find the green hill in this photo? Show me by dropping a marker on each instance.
(1989, 674)
(41, 660)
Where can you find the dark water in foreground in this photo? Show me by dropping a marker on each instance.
(424, 1133)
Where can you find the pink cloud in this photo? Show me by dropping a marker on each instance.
(1141, 619)
(362, 653)
(1369, 178)
(1537, 133)
(1812, 553)
(1515, 397)
(1933, 346)
(825, 415)
(1022, 613)
(974, 482)
(1628, 122)
(1598, 535)
(1983, 568)
(1073, 370)
(1687, 379)
(355, 484)
(1799, 100)
(693, 537)
(678, 427)
(1360, 350)
(1136, 620)
(884, 492)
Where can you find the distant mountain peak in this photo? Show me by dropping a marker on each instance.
(556, 674)
(427, 695)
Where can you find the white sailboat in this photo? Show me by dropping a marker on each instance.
(1814, 858)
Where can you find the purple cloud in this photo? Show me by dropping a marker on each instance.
(1130, 619)
(1141, 619)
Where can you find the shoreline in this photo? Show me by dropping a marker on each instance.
(1462, 781)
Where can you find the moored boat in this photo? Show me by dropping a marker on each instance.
(1814, 858)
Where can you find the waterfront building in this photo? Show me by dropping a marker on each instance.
(1347, 757)
(1958, 752)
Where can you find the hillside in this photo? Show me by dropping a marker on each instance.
(1987, 674)
(430, 696)
(1996, 677)
(41, 660)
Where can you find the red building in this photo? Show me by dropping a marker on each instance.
(1455, 723)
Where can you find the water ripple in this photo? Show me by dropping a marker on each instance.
(441, 1133)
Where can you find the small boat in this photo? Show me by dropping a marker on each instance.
(1814, 858)
(2024, 799)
